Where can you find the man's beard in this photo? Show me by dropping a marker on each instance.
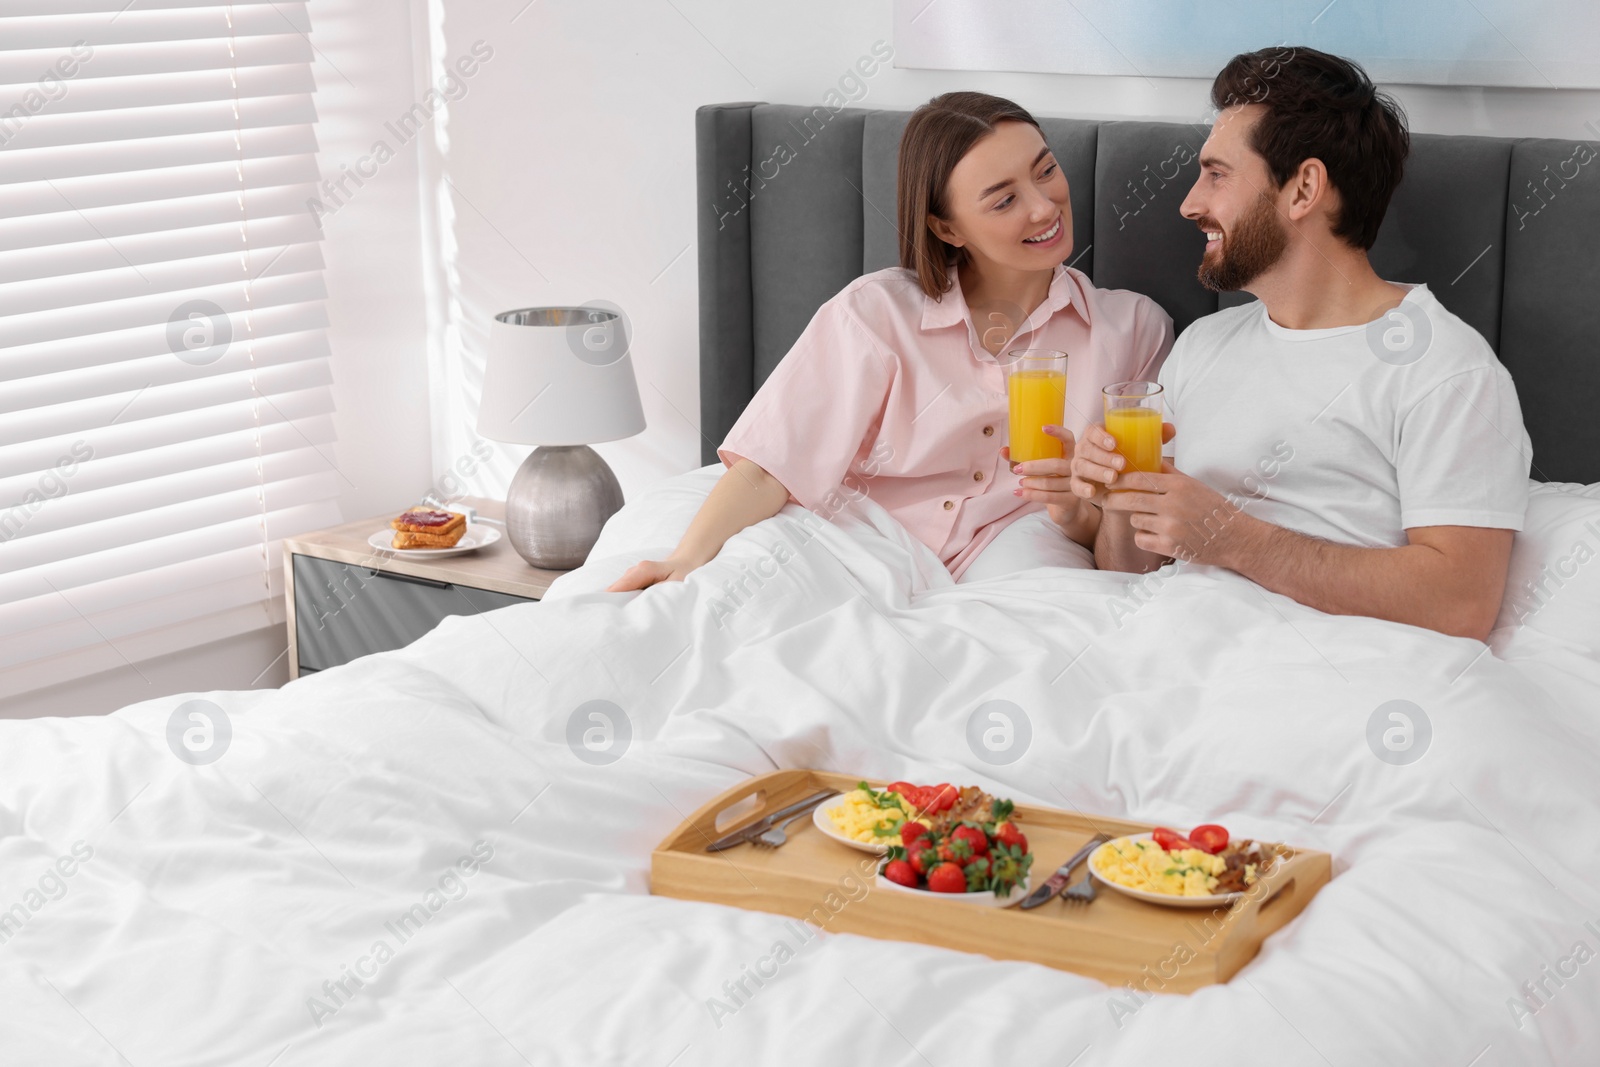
(1257, 242)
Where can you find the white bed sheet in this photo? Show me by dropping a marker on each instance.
(219, 899)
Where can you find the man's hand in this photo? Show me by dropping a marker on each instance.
(1049, 482)
(1096, 466)
(1446, 578)
(1177, 516)
(1096, 463)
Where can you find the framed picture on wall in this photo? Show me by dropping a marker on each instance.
(1419, 42)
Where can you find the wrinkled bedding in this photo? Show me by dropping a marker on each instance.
(441, 854)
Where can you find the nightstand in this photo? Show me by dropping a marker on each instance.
(347, 599)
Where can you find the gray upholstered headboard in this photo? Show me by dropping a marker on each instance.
(796, 202)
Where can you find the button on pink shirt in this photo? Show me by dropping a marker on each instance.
(890, 392)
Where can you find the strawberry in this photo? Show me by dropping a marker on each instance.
(947, 878)
(978, 875)
(956, 850)
(910, 830)
(901, 872)
(923, 859)
(975, 838)
(1008, 867)
(1008, 834)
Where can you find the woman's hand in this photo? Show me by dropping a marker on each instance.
(744, 495)
(1049, 482)
(648, 572)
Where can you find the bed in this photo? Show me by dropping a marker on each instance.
(424, 856)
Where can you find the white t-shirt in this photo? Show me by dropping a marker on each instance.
(1353, 434)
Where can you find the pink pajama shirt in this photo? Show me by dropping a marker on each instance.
(890, 392)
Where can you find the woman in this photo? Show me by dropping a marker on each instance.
(894, 388)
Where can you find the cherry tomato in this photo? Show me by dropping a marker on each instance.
(903, 788)
(1209, 838)
(944, 796)
(1170, 840)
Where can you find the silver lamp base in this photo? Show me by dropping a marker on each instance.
(559, 499)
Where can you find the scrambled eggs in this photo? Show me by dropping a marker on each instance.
(857, 817)
(1145, 865)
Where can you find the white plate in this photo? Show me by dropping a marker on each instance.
(985, 899)
(1216, 900)
(820, 817)
(477, 536)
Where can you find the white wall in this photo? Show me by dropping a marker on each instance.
(373, 246)
(576, 152)
(571, 163)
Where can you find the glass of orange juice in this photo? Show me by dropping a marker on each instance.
(1133, 418)
(1036, 385)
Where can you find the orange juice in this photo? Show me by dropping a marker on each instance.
(1038, 399)
(1138, 434)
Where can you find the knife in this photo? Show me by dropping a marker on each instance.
(1058, 881)
(466, 511)
(762, 825)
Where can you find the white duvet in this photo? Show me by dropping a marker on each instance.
(406, 861)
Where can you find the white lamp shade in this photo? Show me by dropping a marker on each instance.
(559, 376)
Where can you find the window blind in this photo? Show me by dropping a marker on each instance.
(165, 402)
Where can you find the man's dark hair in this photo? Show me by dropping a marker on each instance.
(1324, 107)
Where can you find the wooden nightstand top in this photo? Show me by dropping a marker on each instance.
(496, 566)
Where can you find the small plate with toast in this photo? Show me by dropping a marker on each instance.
(425, 531)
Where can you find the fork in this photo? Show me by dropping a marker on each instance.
(1083, 892)
(775, 837)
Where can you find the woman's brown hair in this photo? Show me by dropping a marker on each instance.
(939, 134)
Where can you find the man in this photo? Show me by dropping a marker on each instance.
(1345, 441)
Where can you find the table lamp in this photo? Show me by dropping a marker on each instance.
(560, 378)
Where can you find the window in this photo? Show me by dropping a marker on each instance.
(165, 410)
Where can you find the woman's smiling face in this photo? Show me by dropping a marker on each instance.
(1007, 202)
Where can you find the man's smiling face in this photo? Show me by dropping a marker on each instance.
(1235, 204)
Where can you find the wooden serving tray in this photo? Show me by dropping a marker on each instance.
(1117, 939)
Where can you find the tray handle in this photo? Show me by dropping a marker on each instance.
(1268, 912)
(771, 791)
